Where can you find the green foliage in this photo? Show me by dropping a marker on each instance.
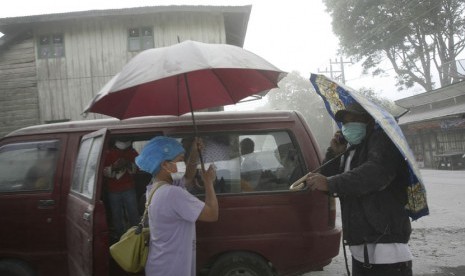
(416, 36)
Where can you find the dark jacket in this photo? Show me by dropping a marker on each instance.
(372, 193)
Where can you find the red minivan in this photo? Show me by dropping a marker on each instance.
(54, 214)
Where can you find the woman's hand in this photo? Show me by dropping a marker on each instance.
(209, 175)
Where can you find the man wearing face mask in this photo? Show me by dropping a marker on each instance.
(172, 210)
(119, 183)
(370, 180)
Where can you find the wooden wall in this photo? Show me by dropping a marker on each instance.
(18, 86)
(96, 49)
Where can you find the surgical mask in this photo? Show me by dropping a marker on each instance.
(354, 132)
(180, 171)
(122, 145)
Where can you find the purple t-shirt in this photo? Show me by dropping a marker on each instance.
(172, 215)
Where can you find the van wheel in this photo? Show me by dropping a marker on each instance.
(240, 263)
(15, 268)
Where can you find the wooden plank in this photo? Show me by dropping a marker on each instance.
(15, 84)
(19, 106)
(10, 97)
(25, 90)
(19, 75)
(45, 113)
(20, 60)
(5, 68)
(73, 78)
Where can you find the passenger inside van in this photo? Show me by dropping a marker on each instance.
(223, 151)
(120, 186)
(217, 150)
(287, 173)
(250, 167)
(40, 175)
(290, 171)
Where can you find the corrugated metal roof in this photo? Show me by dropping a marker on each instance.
(440, 94)
(115, 12)
(433, 114)
(236, 18)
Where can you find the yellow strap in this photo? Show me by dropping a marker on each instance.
(149, 199)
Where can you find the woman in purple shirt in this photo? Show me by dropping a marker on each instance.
(173, 211)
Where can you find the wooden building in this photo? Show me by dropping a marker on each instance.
(52, 65)
(435, 126)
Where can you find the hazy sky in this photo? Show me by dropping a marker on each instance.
(292, 34)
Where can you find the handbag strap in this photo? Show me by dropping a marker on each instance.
(149, 199)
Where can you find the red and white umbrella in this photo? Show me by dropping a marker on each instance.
(184, 77)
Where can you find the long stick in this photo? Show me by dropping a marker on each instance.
(303, 178)
(196, 134)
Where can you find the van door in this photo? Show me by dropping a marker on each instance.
(30, 199)
(82, 200)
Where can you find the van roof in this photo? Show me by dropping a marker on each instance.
(201, 118)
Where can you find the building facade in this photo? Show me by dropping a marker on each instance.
(52, 65)
(435, 126)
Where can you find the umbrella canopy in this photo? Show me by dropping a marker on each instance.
(184, 77)
(337, 96)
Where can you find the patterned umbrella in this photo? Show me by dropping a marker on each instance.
(337, 96)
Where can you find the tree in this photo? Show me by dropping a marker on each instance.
(416, 36)
(373, 96)
(297, 93)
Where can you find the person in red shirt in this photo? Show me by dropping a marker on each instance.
(119, 183)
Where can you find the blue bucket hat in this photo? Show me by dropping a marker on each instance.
(157, 150)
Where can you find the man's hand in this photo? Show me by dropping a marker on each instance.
(336, 145)
(316, 181)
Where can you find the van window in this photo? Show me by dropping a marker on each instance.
(28, 166)
(86, 165)
(250, 162)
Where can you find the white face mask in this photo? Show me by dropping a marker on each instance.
(122, 145)
(180, 171)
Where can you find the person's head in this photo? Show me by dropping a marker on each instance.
(247, 146)
(160, 156)
(356, 122)
(47, 161)
(221, 139)
(123, 143)
(286, 155)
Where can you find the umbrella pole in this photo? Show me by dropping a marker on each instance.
(297, 184)
(196, 134)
